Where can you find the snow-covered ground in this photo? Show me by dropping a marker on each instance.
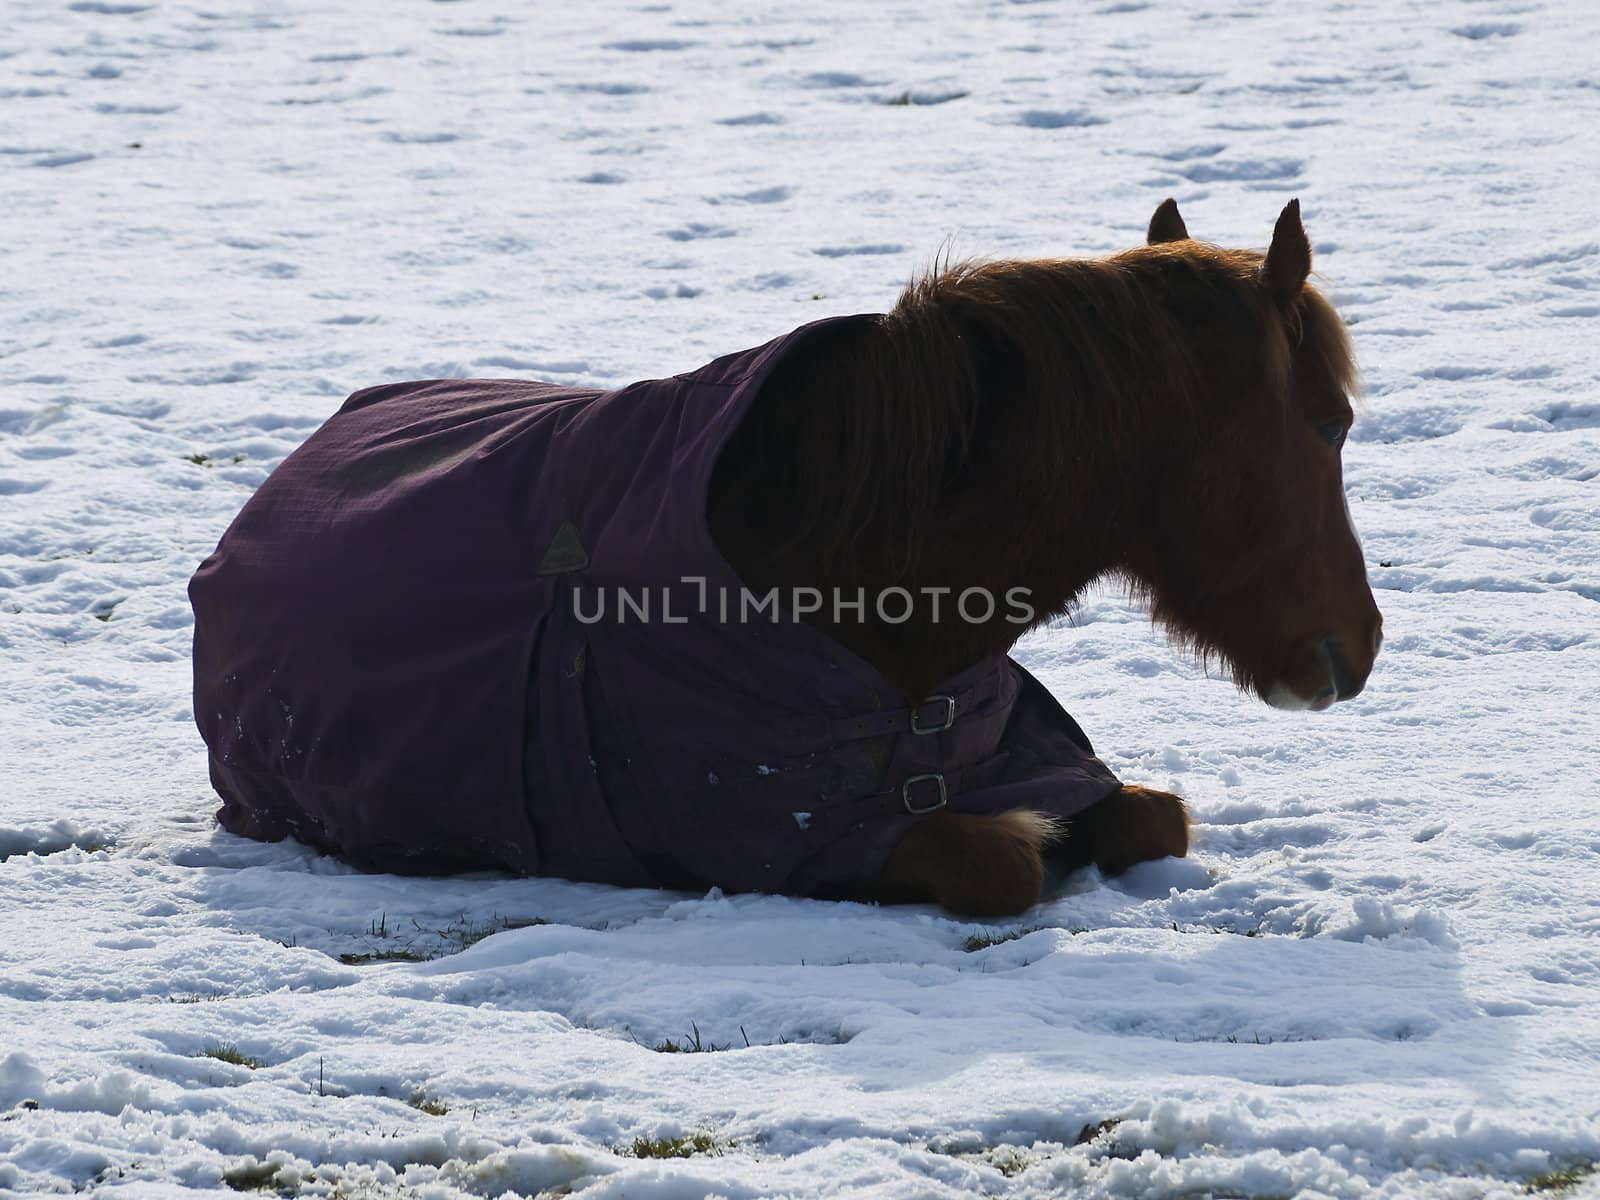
(1379, 974)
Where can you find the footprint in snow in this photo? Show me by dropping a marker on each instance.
(923, 97)
(1487, 29)
(650, 45)
(1268, 835)
(426, 138)
(238, 372)
(694, 231)
(767, 195)
(1455, 373)
(134, 110)
(1565, 415)
(1416, 423)
(1243, 170)
(769, 282)
(756, 118)
(1052, 118)
(63, 835)
(66, 159)
(1568, 254)
(351, 56)
(1183, 154)
(776, 43)
(608, 89)
(869, 248)
(835, 79)
(1576, 518)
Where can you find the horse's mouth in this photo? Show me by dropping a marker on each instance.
(1325, 681)
(1281, 695)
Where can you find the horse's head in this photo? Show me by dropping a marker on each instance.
(1249, 551)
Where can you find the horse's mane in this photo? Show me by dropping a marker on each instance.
(1020, 359)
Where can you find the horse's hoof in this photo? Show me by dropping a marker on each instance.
(972, 865)
(1002, 866)
(1132, 826)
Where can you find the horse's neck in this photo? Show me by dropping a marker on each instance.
(791, 507)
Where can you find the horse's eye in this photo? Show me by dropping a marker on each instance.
(1332, 432)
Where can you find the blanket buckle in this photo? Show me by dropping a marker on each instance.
(917, 810)
(939, 723)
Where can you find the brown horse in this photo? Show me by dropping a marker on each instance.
(1171, 416)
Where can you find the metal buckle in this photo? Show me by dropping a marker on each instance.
(905, 794)
(949, 715)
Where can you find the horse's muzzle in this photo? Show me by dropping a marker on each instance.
(1344, 681)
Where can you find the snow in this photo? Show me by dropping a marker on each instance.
(1378, 975)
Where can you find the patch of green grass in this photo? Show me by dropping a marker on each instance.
(982, 941)
(1010, 1161)
(398, 954)
(434, 1108)
(45, 850)
(1240, 1039)
(195, 997)
(1561, 1179)
(1092, 1133)
(690, 1045)
(205, 460)
(906, 99)
(257, 1177)
(695, 1043)
(1008, 1158)
(1250, 933)
(229, 1053)
(423, 944)
(686, 1146)
(464, 934)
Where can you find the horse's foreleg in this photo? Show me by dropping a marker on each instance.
(994, 866)
(979, 866)
(1130, 826)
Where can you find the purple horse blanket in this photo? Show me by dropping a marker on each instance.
(483, 624)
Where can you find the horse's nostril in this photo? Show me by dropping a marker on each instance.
(1346, 683)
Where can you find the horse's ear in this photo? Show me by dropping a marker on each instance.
(1289, 258)
(1167, 225)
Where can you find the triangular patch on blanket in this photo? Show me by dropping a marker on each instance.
(565, 554)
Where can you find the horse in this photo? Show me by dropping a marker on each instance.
(1171, 416)
(389, 668)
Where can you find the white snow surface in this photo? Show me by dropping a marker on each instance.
(1377, 975)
